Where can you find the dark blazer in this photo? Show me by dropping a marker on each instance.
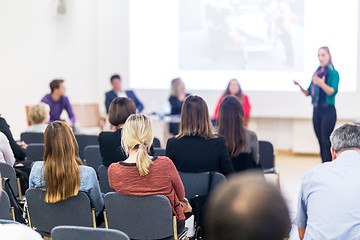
(110, 147)
(243, 162)
(19, 153)
(176, 105)
(196, 154)
(111, 95)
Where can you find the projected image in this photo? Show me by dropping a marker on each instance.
(260, 35)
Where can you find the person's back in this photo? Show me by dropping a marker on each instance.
(247, 207)
(328, 200)
(6, 154)
(196, 148)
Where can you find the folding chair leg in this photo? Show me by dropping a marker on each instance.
(27, 210)
(12, 213)
(106, 222)
(19, 189)
(93, 217)
(175, 228)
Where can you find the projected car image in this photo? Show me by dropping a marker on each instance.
(241, 34)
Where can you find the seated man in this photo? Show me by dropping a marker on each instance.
(118, 92)
(247, 207)
(58, 102)
(329, 198)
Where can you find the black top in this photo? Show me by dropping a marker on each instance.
(196, 154)
(19, 153)
(176, 105)
(244, 161)
(110, 147)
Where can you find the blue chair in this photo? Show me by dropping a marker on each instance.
(104, 179)
(85, 140)
(32, 137)
(159, 152)
(35, 151)
(86, 233)
(6, 211)
(267, 159)
(92, 156)
(8, 171)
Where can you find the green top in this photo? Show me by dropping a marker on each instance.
(332, 81)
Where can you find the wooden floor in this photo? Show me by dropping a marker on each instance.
(292, 168)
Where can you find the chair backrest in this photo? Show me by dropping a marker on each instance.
(159, 152)
(74, 211)
(4, 221)
(85, 140)
(32, 137)
(88, 115)
(266, 154)
(93, 156)
(86, 233)
(8, 171)
(35, 152)
(198, 183)
(147, 217)
(5, 208)
(27, 111)
(156, 143)
(104, 179)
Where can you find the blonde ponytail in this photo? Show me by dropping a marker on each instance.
(137, 135)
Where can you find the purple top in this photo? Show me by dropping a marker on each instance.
(57, 107)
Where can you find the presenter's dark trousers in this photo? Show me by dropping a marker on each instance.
(324, 119)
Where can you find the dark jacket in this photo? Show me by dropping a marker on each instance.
(19, 153)
(111, 95)
(196, 154)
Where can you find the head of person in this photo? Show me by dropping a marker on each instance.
(57, 87)
(346, 137)
(195, 120)
(247, 207)
(137, 136)
(230, 124)
(40, 113)
(61, 160)
(324, 56)
(177, 87)
(120, 109)
(116, 82)
(233, 89)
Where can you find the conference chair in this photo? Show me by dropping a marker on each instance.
(32, 137)
(35, 151)
(83, 141)
(267, 159)
(92, 156)
(86, 233)
(43, 216)
(8, 171)
(104, 179)
(156, 143)
(159, 152)
(6, 211)
(88, 115)
(147, 217)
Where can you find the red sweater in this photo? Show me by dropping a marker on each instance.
(246, 106)
(163, 179)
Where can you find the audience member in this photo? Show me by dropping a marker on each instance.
(234, 89)
(62, 173)
(57, 102)
(117, 91)
(18, 149)
(141, 174)
(110, 142)
(242, 143)
(196, 148)
(247, 207)
(176, 101)
(6, 154)
(328, 201)
(39, 116)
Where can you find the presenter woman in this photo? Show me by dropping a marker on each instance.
(322, 89)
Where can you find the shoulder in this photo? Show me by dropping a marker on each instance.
(252, 135)
(164, 161)
(219, 138)
(310, 175)
(3, 137)
(37, 166)
(129, 92)
(86, 171)
(172, 98)
(46, 98)
(2, 120)
(171, 141)
(109, 93)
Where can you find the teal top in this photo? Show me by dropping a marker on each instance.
(332, 81)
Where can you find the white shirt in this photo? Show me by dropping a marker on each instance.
(6, 154)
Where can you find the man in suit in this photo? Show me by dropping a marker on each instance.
(118, 92)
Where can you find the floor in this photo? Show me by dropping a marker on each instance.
(292, 168)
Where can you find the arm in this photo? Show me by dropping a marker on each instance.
(301, 217)
(255, 149)
(247, 107)
(225, 160)
(69, 110)
(19, 152)
(305, 92)
(176, 181)
(138, 104)
(96, 199)
(107, 101)
(6, 150)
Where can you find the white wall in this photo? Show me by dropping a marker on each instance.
(91, 42)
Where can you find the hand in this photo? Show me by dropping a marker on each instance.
(296, 83)
(22, 144)
(318, 81)
(70, 124)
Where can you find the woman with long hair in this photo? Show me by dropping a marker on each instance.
(242, 144)
(62, 173)
(141, 174)
(234, 89)
(323, 89)
(197, 148)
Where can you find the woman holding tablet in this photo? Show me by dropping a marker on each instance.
(322, 89)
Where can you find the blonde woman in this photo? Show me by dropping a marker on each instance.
(141, 174)
(39, 116)
(62, 174)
